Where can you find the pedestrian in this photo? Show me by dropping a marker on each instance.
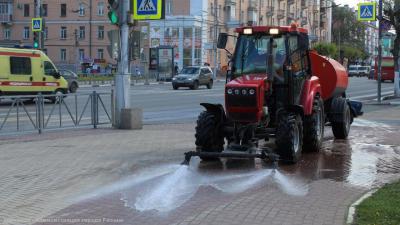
(176, 68)
(137, 70)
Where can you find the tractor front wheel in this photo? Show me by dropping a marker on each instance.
(289, 137)
(209, 138)
(341, 118)
(314, 127)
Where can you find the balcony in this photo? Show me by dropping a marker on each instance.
(303, 21)
(253, 5)
(230, 2)
(270, 11)
(6, 11)
(304, 4)
(5, 18)
(281, 14)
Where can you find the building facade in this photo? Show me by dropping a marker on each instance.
(75, 32)
(192, 26)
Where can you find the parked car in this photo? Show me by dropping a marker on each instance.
(193, 77)
(71, 78)
(353, 70)
(363, 71)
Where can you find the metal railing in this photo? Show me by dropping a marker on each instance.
(45, 112)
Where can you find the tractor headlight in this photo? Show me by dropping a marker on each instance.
(244, 92)
(252, 91)
(237, 92)
(229, 91)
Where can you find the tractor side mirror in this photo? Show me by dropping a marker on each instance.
(222, 39)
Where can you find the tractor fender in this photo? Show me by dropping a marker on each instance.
(298, 109)
(355, 108)
(311, 88)
(216, 109)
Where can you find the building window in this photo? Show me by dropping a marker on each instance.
(100, 8)
(4, 8)
(46, 33)
(44, 10)
(63, 54)
(20, 65)
(100, 32)
(26, 32)
(81, 54)
(82, 32)
(63, 33)
(7, 34)
(63, 10)
(81, 9)
(26, 10)
(100, 53)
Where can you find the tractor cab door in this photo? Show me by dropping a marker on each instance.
(298, 68)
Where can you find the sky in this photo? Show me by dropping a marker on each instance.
(351, 3)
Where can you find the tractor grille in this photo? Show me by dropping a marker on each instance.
(241, 101)
(246, 117)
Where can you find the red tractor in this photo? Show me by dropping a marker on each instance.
(276, 88)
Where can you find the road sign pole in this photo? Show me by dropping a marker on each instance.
(122, 79)
(380, 51)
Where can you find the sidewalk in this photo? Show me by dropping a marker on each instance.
(42, 176)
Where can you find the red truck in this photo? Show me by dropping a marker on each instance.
(387, 69)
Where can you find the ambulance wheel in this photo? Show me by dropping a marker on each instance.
(54, 99)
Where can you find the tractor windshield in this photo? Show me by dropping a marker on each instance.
(252, 51)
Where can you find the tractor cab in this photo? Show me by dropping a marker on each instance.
(268, 51)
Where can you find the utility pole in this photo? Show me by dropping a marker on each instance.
(380, 17)
(76, 49)
(90, 28)
(215, 38)
(122, 79)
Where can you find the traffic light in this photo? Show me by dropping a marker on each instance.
(113, 11)
(36, 40)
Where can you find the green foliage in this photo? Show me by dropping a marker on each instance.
(326, 49)
(353, 53)
(346, 29)
(381, 208)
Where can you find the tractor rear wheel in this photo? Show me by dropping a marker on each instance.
(314, 127)
(289, 137)
(341, 118)
(209, 138)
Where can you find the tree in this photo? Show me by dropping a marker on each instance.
(327, 49)
(346, 29)
(392, 10)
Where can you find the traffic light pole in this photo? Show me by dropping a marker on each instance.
(122, 79)
(38, 13)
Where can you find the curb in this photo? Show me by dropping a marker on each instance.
(352, 209)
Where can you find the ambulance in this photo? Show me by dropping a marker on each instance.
(29, 72)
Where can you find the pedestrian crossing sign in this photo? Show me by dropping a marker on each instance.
(367, 11)
(148, 9)
(36, 24)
